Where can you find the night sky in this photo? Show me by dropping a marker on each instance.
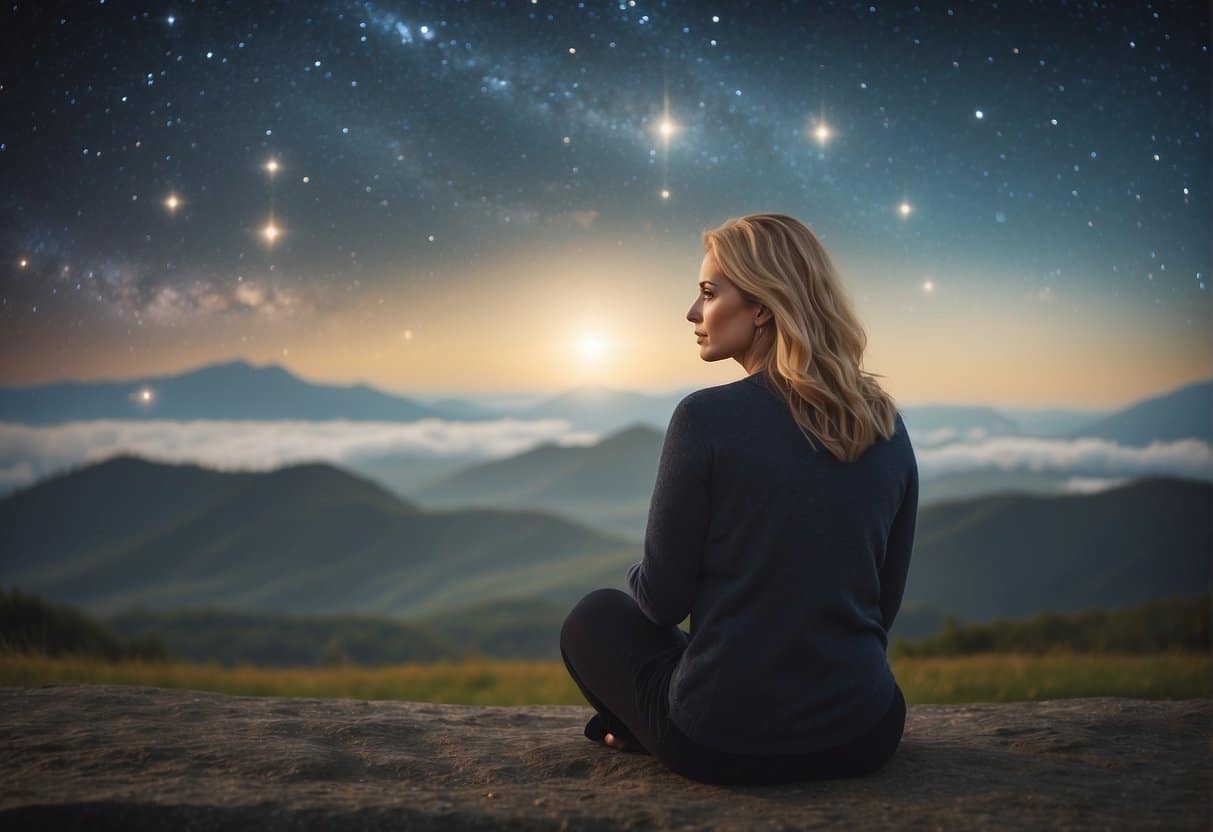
(475, 197)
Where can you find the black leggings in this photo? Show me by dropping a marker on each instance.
(622, 663)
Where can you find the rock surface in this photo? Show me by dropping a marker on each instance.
(119, 757)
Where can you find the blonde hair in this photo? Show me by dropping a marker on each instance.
(816, 358)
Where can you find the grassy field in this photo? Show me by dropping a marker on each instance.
(981, 678)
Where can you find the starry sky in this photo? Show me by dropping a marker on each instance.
(491, 197)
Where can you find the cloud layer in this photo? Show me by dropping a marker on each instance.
(29, 453)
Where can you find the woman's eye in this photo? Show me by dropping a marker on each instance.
(706, 293)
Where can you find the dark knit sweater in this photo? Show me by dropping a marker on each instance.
(790, 564)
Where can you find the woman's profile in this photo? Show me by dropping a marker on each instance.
(781, 522)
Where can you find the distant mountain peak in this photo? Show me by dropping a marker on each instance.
(592, 391)
(636, 430)
(132, 459)
(239, 365)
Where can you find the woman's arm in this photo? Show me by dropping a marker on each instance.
(897, 553)
(663, 582)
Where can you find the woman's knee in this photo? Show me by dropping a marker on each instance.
(581, 619)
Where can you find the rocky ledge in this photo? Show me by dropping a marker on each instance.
(118, 757)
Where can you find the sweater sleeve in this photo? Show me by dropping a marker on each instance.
(663, 582)
(897, 553)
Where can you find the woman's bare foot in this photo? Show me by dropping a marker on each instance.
(614, 742)
(596, 731)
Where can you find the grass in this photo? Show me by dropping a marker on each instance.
(978, 678)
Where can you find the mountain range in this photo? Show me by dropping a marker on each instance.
(607, 485)
(303, 538)
(232, 390)
(239, 390)
(313, 538)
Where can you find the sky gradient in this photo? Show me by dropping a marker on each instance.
(480, 197)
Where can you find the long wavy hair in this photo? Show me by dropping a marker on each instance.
(815, 359)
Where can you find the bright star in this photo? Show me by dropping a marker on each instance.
(172, 203)
(272, 166)
(904, 208)
(271, 231)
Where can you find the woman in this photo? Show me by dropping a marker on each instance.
(781, 522)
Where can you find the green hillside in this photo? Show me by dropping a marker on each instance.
(605, 486)
(312, 538)
(302, 539)
(1015, 555)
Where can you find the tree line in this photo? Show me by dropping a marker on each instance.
(1174, 623)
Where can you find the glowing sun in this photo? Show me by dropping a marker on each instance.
(592, 348)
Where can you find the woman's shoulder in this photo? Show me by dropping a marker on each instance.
(716, 412)
(719, 397)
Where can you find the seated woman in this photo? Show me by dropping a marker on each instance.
(781, 522)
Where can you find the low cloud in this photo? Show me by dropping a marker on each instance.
(1082, 457)
(1091, 485)
(29, 453)
(15, 475)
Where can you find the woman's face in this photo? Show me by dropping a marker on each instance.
(725, 322)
